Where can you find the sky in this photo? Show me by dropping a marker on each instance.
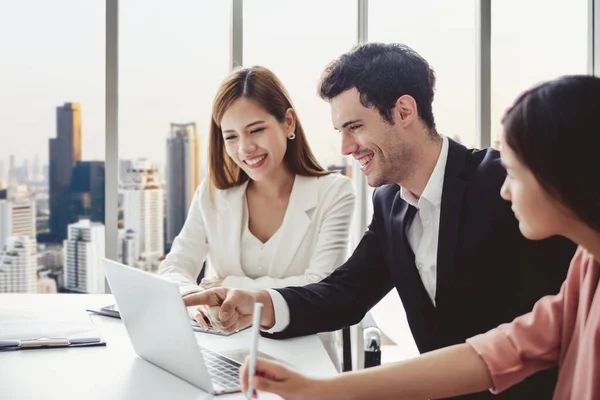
(174, 54)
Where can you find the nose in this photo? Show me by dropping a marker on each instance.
(247, 145)
(504, 191)
(349, 146)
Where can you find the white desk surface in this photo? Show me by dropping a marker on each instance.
(114, 371)
(390, 317)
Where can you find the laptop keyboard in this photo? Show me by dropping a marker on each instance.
(222, 370)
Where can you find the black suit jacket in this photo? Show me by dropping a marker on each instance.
(487, 272)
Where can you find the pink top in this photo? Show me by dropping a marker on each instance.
(563, 329)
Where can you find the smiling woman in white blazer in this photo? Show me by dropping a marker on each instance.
(269, 215)
(310, 243)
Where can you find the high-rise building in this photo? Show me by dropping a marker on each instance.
(65, 151)
(183, 176)
(83, 253)
(18, 265)
(2, 172)
(26, 172)
(37, 173)
(86, 191)
(143, 212)
(46, 174)
(129, 249)
(50, 258)
(12, 171)
(124, 167)
(17, 217)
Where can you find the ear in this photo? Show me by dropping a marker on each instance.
(290, 120)
(405, 110)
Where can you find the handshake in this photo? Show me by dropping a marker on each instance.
(229, 310)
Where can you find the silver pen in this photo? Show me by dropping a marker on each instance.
(254, 346)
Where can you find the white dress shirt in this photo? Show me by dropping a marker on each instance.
(422, 234)
(424, 230)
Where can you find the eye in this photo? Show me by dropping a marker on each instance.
(230, 137)
(258, 130)
(355, 127)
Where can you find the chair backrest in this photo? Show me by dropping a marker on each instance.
(367, 334)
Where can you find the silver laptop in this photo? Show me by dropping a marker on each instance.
(159, 329)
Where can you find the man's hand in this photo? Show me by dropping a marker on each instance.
(231, 309)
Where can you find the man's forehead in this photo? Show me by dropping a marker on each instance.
(346, 105)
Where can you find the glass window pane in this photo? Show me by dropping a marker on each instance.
(442, 32)
(52, 152)
(543, 40)
(296, 40)
(172, 57)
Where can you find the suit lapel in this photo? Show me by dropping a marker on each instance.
(450, 215)
(229, 221)
(295, 224)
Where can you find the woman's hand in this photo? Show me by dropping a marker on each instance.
(275, 378)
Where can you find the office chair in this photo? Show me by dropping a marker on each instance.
(368, 337)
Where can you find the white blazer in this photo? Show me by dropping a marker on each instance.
(313, 235)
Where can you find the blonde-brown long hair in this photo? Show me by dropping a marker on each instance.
(260, 85)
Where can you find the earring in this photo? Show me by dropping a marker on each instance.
(292, 136)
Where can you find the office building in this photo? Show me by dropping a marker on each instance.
(86, 191)
(50, 257)
(124, 167)
(37, 173)
(83, 253)
(183, 176)
(17, 216)
(12, 171)
(18, 265)
(65, 151)
(143, 212)
(46, 175)
(129, 249)
(26, 172)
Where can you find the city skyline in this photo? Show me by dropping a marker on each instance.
(172, 57)
(165, 75)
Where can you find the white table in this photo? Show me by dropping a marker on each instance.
(114, 371)
(390, 317)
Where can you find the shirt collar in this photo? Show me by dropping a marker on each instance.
(433, 190)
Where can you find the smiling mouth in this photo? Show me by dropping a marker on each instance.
(254, 161)
(364, 161)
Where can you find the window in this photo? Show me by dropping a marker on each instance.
(52, 119)
(296, 40)
(534, 41)
(442, 32)
(172, 57)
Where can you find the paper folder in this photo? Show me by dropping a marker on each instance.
(46, 328)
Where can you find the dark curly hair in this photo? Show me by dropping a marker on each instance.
(382, 73)
(554, 129)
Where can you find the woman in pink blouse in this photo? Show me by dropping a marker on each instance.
(551, 150)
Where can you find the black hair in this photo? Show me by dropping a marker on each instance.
(382, 73)
(554, 129)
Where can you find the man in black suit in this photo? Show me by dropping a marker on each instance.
(441, 235)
